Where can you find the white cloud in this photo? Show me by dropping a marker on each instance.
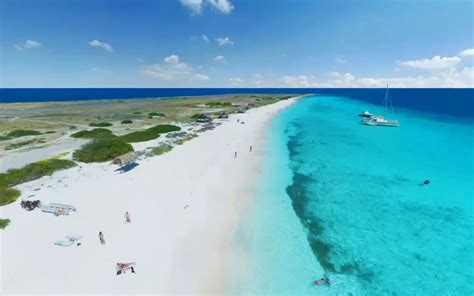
(224, 41)
(450, 78)
(140, 60)
(258, 80)
(219, 59)
(29, 44)
(340, 60)
(173, 70)
(204, 37)
(436, 62)
(334, 74)
(296, 81)
(201, 77)
(196, 6)
(103, 45)
(223, 6)
(467, 52)
(172, 59)
(235, 80)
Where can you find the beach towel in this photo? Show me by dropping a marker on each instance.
(68, 241)
(57, 209)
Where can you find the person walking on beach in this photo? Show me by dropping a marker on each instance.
(127, 217)
(101, 238)
(235, 154)
(250, 148)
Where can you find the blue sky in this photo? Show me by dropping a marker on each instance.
(236, 43)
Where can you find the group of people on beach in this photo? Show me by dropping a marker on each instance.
(121, 267)
(250, 150)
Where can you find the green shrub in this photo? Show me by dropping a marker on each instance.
(137, 112)
(20, 144)
(50, 132)
(101, 150)
(100, 124)
(4, 223)
(27, 173)
(150, 133)
(3, 138)
(22, 133)
(97, 133)
(126, 121)
(164, 128)
(35, 171)
(161, 149)
(218, 104)
(156, 114)
(140, 136)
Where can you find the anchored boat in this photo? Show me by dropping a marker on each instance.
(379, 120)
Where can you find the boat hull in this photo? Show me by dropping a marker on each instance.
(374, 123)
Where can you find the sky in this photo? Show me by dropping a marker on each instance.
(236, 43)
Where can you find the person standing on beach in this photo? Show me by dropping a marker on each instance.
(235, 154)
(250, 148)
(101, 238)
(127, 217)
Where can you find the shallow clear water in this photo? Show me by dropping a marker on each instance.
(344, 200)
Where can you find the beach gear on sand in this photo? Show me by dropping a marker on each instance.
(58, 209)
(124, 267)
(30, 205)
(68, 241)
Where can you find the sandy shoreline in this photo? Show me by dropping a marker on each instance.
(184, 207)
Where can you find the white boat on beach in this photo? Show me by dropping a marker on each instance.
(379, 120)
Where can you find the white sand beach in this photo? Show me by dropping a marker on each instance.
(184, 206)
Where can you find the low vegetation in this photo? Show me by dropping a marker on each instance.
(27, 173)
(164, 128)
(161, 149)
(101, 150)
(140, 136)
(185, 139)
(22, 144)
(218, 104)
(153, 114)
(126, 121)
(150, 133)
(137, 113)
(100, 124)
(4, 223)
(19, 133)
(50, 132)
(97, 133)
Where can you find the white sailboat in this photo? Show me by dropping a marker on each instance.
(377, 120)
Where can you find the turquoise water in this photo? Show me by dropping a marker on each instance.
(344, 200)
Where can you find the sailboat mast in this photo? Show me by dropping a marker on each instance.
(385, 101)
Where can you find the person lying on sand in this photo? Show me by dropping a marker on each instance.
(122, 267)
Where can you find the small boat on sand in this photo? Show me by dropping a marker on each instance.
(379, 120)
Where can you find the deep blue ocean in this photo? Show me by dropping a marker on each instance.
(345, 201)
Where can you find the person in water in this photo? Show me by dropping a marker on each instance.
(321, 281)
(426, 182)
